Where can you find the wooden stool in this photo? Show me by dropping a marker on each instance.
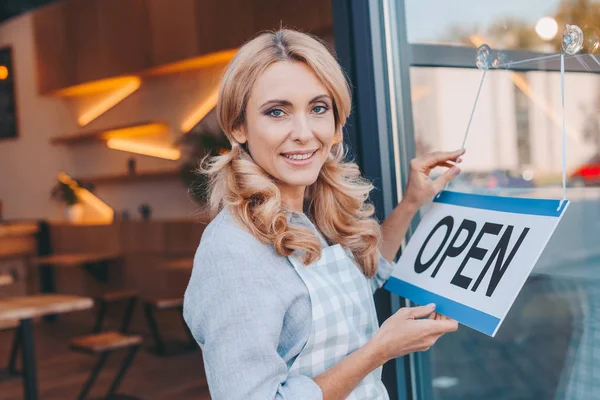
(174, 347)
(104, 344)
(112, 297)
(11, 371)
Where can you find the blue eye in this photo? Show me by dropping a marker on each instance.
(276, 112)
(320, 109)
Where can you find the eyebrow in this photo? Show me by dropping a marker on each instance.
(288, 103)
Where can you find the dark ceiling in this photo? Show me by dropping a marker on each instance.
(12, 8)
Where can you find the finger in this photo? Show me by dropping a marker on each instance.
(445, 164)
(421, 312)
(432, 159)
(443, 326)
(446, 177)
(435, 316)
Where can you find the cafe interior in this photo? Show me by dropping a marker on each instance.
(106, 106)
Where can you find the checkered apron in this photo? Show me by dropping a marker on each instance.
(343, 318)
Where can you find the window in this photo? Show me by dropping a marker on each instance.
(549, 345)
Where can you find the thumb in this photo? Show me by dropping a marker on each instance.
(441, 182)
(421, 312)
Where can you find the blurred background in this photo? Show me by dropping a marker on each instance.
(106, 106)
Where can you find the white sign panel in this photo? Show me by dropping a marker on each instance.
(471, 255)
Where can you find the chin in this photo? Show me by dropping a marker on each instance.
(300, 180)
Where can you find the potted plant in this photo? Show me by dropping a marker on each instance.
(66, 194)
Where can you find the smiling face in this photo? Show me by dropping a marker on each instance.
(289, 127)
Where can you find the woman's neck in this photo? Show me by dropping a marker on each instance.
(292, 197)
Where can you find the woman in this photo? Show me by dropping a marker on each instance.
(280, 297)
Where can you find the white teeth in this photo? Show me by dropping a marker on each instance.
(298, 156)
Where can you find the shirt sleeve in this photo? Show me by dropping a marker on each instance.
(236, 316)
(383, 273)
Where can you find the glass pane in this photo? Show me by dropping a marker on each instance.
(507, 24)
(549, 345)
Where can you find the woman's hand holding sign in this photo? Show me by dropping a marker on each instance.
(408, 331)
(420, 188)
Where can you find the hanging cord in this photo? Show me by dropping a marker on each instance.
(564, 131)
(474, 107)
(470, 118)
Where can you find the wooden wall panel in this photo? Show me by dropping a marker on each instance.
(223, 24)
(55, 59)
(83, 27)
(67, 238)
(124, 35)
(173, 31)
(314, 16)
(182, 238)
(143, 237)
(79, 41)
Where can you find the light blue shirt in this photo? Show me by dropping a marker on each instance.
(251, 314)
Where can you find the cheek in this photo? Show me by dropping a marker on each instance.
(324, 130)
(265, 138)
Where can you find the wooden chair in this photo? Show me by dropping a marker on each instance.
(160, 347)
(107, 298)
(104, 344)
(11, 370)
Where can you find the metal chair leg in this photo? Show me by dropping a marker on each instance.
(100, 316)
(14, 353)
(128, 315)
(93, 376)
(160, 345)
(30, 386)
(122, 371)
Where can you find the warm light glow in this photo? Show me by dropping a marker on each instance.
(143, 148)
(546, 28)
(208, 60)
(476, 40)
(95, 87)
(108, 102)
(88, 198)
(3, 72)
(138, 130)
(200, 111)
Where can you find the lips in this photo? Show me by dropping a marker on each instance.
(299, 155)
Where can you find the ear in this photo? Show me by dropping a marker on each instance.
(239, 135)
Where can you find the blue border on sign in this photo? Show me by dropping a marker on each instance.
(466, 315)
(514, 205)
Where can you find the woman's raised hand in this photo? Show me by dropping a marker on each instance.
(420, 189)
(409, 331)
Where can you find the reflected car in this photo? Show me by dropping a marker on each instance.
(587, 174)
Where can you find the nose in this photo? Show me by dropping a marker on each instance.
(301, 130)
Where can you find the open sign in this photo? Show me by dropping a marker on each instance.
(472, 254)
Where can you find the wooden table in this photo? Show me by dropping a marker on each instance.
(75, 259)
(185, 264)
(47, 265)
(24, 309)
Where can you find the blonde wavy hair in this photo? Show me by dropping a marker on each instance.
(337, 204)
